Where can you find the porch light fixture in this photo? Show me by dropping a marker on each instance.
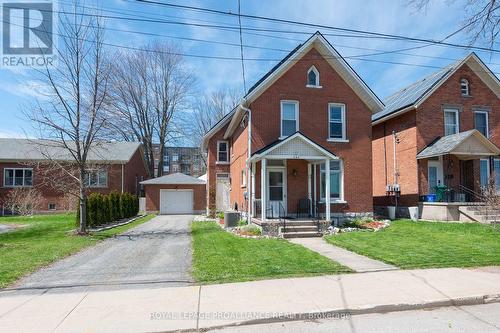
(294, 172)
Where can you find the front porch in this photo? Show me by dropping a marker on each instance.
(289, 180)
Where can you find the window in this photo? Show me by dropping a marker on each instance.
(165, 158)
(481, 122)
(97, 178)
(335, 180)
(450, 121)
(175, 168)
(484, 172)
(222, 151)
(175, 157)
(243, 181)
(313, 77)
(496, 167)
(166, 168)
(289, 118)
(17, 177)
(464, 87)
(52, 206)
(336, 121)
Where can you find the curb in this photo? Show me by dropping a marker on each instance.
(316, 315)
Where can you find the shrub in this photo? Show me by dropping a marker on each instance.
(220, 215)
(114, 203)
(23, 201)
(242, 222)
(251, 230)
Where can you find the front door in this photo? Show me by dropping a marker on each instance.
(276, 192)
(434, 175)
(222, 192)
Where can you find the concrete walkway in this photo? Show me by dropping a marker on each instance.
(194, 307)
(354, 261)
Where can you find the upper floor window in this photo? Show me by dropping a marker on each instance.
(481, 122)
(336, 121)
(451, 121)
(96, 178)
(222, 151)
(17, 177)
(313, 77)
(464, 87)
(175, 157)
(335, 180)
(289, 118)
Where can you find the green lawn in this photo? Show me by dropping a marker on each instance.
(45, 238)
(222, 257)
(422, 244)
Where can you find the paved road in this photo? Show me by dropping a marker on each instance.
(155, 254)
(474, 318)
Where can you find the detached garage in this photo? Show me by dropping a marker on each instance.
(175, 194)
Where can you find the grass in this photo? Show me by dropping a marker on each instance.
(44, 239)
(223, 257)
(423, 244)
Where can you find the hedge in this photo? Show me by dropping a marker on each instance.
(107, 208)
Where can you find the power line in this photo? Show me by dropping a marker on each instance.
(241, 49)
(314, 25)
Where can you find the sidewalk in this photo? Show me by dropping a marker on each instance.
(354, 261)
(164, 309)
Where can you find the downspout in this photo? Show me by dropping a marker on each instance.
(123, 185)
(394, 141)
(249, 154)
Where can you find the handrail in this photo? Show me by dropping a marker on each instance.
(470, 192)
(280, 208)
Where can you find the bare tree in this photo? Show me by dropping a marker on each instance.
(150, 88)
(72, 119)
(491, 200)
(207, 110)
(481, 19)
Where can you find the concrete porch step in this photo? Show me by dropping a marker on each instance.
(289, 228)
(302, 234)
(295, 223)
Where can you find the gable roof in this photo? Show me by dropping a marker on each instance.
(412, 96)
(42, 150)
(174, 179)
(297, 136)
(466, 144)
(330, 54)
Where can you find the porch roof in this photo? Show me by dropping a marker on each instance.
(465, 145)
(296, 146)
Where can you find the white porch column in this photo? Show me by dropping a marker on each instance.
(327, 190)
(252, 189)
(314, 188)
(263, 186)
(309, 195)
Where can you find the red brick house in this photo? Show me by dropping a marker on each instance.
(443, 131)
(303, 130)
(115, 166)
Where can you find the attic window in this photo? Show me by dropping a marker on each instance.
(313, 78)
(464, 87)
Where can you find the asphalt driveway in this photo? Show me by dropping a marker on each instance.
(157, 253)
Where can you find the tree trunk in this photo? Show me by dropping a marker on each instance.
(83, 205)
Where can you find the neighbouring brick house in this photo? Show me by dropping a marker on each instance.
(23, 164)
(446, 130)
(303, 130)
(186, 160)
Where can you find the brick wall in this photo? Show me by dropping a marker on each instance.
(213, 167)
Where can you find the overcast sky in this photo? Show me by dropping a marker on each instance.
(18, 89)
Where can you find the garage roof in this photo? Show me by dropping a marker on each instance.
(174, 178)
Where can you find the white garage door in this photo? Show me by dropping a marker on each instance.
(176, 202)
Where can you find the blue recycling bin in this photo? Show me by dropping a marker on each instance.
(431, 198)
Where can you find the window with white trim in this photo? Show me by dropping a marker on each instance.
(464, 87)
(96, 178)
(243, 181)
(451, 125)
(312, 77)
(336, 121)
(289, 118)
(336, 180)
(484, 172)
(17, 177)
(496, 168)
(481, 122)
(222, 151)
